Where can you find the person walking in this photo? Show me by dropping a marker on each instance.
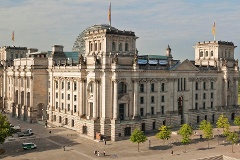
(98, 153)
(105, 142)
(104, 153)
(171, 152)
(63, 148)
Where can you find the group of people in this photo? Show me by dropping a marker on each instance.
(97, 153)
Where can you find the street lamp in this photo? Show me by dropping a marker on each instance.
(218, 136)
(42, 113)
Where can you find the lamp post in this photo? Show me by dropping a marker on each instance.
(218, 136)
(42, 114)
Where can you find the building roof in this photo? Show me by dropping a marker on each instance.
(79, 44)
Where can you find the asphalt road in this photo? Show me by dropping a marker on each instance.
(50, 147)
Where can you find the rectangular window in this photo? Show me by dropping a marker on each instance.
(75, 86)
(141, 87)
(152, 99)
(196, 96)
(56, 105)
(184, 83)
(212, 85)
(56, 95)
(75, 97)
(62, 85)
(162, 109)
(204, 95)
(62, 106)
(152, 110)
(56, 84)
(196, 86)
(162, 86)
(211, 95)
(68, 107)
(141, 111)
(196, 106)
(141, 100)
(178, 84)
(68, 85)
(68, 97)
(49, 97)
(163, 99)
(75, 108)
(204, 105)
(204, 85)
(62, 96)
(152, 87)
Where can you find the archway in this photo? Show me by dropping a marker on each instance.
(180, 108)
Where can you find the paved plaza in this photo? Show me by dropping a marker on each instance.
(50, 146)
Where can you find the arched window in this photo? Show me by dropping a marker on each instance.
(95, 47)
(211, 53)
(126, 46)
(91, 88)
(122, 88)
(113, 46)
(206, 53)
(91, 47)
(201, 54)
(120, 47)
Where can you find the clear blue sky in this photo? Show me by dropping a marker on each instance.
(179, 23)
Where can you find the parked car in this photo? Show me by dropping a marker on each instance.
(29, 145)
(28, 132)
(15, 129)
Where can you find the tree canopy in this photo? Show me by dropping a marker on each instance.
(164, 133)
(237, 121)
(223, 123)
(185, 131)
(4, 128)
(138, 137)
(233, 138)
(207, 129)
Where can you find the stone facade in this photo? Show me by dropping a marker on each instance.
(25, 85)
(112, 90)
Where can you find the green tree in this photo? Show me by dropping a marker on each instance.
(138, 136)
(4, 128)
(237, 121)
(207, 129)
(185, 131)
(223, 123)
(233, 138)
(164, 133)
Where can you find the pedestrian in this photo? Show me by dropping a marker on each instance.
(104, 153)
(95, 152)
(63, 148)
(171, 152)
(105, 142)
(50, 132)
(98, 153)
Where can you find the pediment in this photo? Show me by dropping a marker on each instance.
(186, 65)
(124, 98)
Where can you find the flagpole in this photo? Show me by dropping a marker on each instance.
(109, 14)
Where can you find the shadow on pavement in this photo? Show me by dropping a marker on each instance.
(14, 148)
(206, 148)
(160, 147)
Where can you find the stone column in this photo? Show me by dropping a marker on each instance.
(135, 99)
(80, 101)
(225, 91)
(95, 100)
(115, 99)
(147, 97)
